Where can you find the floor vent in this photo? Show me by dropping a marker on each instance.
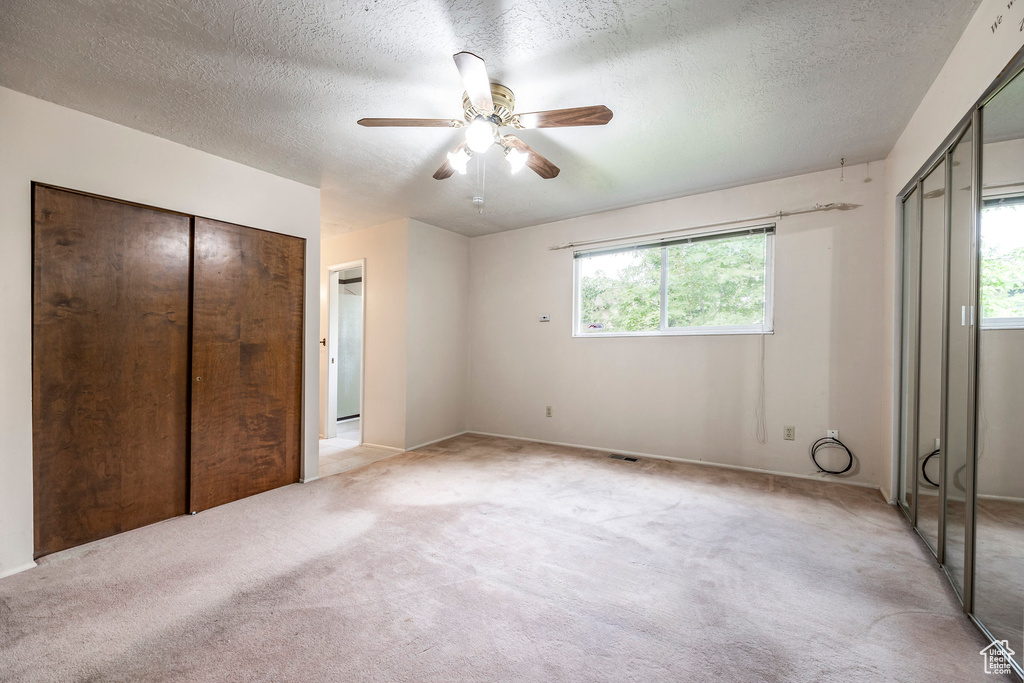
(616, 456)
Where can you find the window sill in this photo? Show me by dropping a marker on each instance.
(1002, 324)
(694, 332)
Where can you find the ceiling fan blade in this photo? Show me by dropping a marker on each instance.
(447, 170)
(410, 123)
(563, 118)
(538, 164)
(475, 80)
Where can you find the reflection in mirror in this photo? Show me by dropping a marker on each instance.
(911, 277)
(960, 324)
(999, 536)
(929, 385)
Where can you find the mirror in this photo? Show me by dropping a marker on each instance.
(908, 343)
(929, 383)
(999, 535)
(960, 327)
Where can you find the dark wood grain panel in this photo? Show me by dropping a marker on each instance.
(597, 115)
(536, 163)
(246, 362)
(409, 123)
(110, 368)
(447, 170)
(475, 80)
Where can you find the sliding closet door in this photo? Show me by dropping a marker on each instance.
(999, 537)
(909, 352)
(930, 450)
(960, 322)
(246, 362)
(110, 375)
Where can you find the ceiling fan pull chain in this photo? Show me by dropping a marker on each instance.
(481, 176)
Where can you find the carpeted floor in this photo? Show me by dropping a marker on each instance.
(483, 559)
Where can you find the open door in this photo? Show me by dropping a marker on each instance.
(344, 404)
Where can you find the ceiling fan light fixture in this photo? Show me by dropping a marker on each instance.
(516, 159)
(481, 134)
(459, 160)
(487, 107)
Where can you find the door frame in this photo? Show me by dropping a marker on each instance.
(331, 387)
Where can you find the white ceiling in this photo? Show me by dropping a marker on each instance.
(706, 93)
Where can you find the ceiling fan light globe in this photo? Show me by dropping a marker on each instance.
(480, 135)
(516, 159)
(459, 160)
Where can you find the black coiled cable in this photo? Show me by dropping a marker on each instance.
(924, 463)
(826, 442)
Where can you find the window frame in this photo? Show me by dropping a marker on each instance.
(767, 327)
(1014, 323)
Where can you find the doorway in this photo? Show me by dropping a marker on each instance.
(346, 290)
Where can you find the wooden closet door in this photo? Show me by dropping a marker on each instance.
(246, 362)
(110, 375)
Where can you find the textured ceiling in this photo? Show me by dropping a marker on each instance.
(706, 93)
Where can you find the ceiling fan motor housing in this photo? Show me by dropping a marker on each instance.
(504, 104)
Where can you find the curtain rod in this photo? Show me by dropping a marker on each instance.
(834, 206)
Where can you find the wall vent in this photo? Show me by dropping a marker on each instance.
(616, 456)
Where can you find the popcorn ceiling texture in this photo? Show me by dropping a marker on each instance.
(706, 93)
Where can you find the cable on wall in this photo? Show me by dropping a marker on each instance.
(924, 464)
(957, 482)
(830, 442)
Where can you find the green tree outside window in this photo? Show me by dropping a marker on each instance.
(709, 283)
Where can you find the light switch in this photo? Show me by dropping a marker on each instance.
(545, 318)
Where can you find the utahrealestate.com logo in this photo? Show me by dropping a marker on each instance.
(997, 658)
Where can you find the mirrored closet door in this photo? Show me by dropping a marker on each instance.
(958, 423)
(929, 340)
(961, 431)
(999, 528)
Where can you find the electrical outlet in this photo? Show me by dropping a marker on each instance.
(547, 411)
(832, 433)
(937, 442)
(789, 433)
(545, 318)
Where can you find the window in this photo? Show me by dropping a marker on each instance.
(704, 284)
(1002, 263)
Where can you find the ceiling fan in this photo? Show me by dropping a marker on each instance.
(487, 107)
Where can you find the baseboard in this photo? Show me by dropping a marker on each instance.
(443, 438)
(17, 570)
(386, 448)
(1005, 499)
(670, 458)
(309, 479)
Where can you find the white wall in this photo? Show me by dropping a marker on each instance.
(438, 347)
(417, 353)
(978, 58)
(385, 284)
(693, 397)
(40, 141)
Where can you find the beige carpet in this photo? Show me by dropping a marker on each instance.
(488, 560)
